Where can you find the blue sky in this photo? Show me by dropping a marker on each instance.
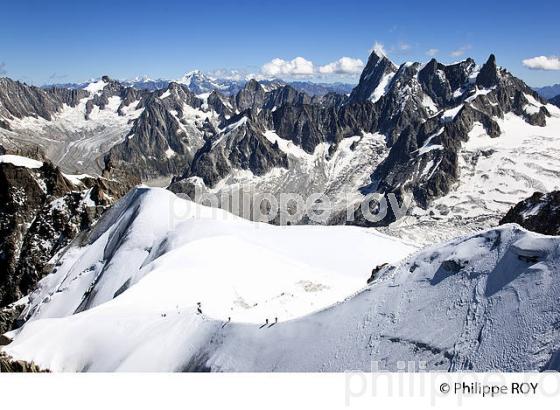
(61, 41)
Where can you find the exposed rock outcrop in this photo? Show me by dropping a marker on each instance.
(164, 139)
(538, 213)
(41, 211)
(9, 365)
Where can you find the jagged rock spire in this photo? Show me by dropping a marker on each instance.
(377, 70)
(488, 76)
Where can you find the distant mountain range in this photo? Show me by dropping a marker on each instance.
(548, 92)
(201, 83)
(418, 131)
(555, 100)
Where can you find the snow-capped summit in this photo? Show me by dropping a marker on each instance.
(200, 83)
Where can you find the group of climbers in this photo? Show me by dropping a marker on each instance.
(266, 323)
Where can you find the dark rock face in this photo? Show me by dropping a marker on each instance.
(423, 160)
(284, 95)
(376, 68)
(220, 104)
(8, 320)
(113, 89)
(488, 76)
(241, 145)
(250, 96)
(538, 213)
(440, 81)
(8, 365)
(164, 139)
(18, 100)
(555, 100)
(41, 211)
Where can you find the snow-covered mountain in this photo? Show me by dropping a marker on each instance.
(200, 83)
(441, 137)
(462, 143)
(144, 291)
(74, 128)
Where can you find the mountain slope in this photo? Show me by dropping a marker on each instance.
(164, 139)
(41, 211)
(484, 302)
(73, 127)
(151, 231)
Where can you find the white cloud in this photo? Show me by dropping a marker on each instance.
(542, 63)
(228, 74)
(344, 65)
(299, 66)
(378, 48)
(404, 47)
(460, 51)
(432, 52)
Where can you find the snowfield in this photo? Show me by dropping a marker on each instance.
(20, 161)
(496, 173)
(126, 300)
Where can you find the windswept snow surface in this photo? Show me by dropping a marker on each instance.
(19, 161)
(485, 302)
(154, 256)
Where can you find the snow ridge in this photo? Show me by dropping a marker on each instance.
(482, 302)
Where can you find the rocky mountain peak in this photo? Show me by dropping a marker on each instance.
(194, 75)
(488, 76)
(374, 79)
(251, 95)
